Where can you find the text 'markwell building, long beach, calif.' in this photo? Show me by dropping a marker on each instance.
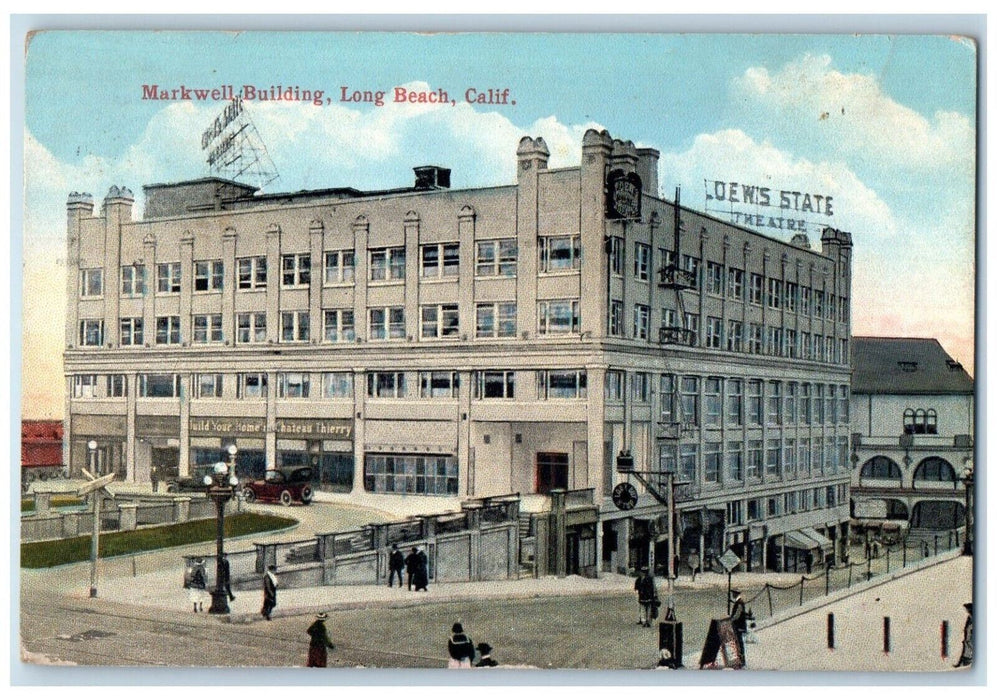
(467, 343)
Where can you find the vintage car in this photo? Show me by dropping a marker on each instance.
(281, 485)
(192, 482)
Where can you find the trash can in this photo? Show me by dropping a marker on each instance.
(670, 638)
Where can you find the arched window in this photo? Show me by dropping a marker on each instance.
(880, 467)
(931, 422)
(895, 509)
(934, 469)
(909, 421)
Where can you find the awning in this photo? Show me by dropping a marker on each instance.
(822, 541)
(807, 539)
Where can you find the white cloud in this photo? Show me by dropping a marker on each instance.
(851, 115)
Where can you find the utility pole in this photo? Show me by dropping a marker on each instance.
(95, 489)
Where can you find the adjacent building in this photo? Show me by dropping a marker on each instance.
(41, 451)
(465, 343)
(913, 425)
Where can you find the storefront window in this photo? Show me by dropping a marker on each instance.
(431, 475)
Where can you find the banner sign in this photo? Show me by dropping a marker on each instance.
(768, 207)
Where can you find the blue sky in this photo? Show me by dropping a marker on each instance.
(886, 124)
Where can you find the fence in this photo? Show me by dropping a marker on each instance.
(881, 560)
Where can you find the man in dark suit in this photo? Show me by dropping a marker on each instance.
(396, 562)
(412, 565)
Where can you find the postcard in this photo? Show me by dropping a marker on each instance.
(491, 351)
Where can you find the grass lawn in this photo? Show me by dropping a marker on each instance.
(39, 555)
(28, 504)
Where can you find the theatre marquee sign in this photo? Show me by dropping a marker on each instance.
(769, 207)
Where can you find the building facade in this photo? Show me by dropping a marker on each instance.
(913, 425)
(459, 343)
(41, 451)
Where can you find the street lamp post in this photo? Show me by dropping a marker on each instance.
(967, 479)
(221, 486)
(92, 453)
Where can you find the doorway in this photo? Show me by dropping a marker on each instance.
(552, 471)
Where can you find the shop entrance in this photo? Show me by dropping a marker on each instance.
(552, 471)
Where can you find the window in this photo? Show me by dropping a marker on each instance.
(252, 272)
(495, 384)
(642, 317)
(615, 385)
(735, 465)
(642, 261)
(754, 509)
(208, 275)
(805, 346)
(691, 265)
(294, 326)
(714, 332)
(805, 300)
(818, 403)
(251, 328)
(843, 310)
(439, 321)
(805, 407)
(735, 515)
(832, 310)
(692, 325)
(431, 475)
(829, 347)
(689, 396)
(496, 258)
(792, 296)
(85, 386)
(339, 266)
(688, 457)
(818, 303)
(337, 326)
(775, 294)
(614, 248)
(754, 459)
(438, 385)
(132, 280)
(669, 318)
(640, 389)
(844, 414)
(817, 455)
(774, 412)
(713, 396)
(387, 323)
(714, 278)
(560, 253)
(131, 331)
(755, 291)
(843, 351)
(441, 260)
(773, 461)
(803, 457)
(558, 316)
(921, 421)
(337, 385)
(92, 282)
(496, 320)
(167, 330)
(208, 328)
(615, 317)
(755, 332)
(293, 385)
(831, 411)
(387, 264)
(667, 463)
(789, 457)
(565, 384)
(773, 507)
(252, 386)
(382, 385)
(116, 386)
(159, 386)
(295, 269)
(792, 501)
(168, 278)
(667, 394)
(790, 405)
(735, 283)
(754, 402)
(208, 386)
(774, 341)
(712, 456)
(734, 339)
(790, 347)
(735, 401)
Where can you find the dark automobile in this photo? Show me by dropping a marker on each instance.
(192, 482)
(281, 485)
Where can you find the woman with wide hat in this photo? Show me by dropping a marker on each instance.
(320, 642)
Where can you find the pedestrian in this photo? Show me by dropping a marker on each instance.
(646, 596)
(154, 477)
(320, 643)
(460, 646)
(396, 562)
(269, 591)
(412, 566)
(197, 586)
(694, 563)
(224, 578)
(422, 572)
(739, 620)
(966, 657)
(925, 552)
(486, 660)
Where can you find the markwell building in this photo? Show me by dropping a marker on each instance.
(464, 343)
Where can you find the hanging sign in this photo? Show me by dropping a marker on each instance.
(623, 195)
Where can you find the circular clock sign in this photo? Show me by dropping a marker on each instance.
(624, 496)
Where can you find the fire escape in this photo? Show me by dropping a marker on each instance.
(677, 279)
